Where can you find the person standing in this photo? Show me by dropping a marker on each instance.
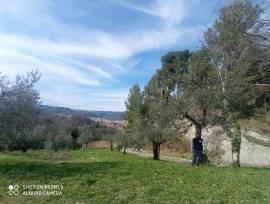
(197, 150)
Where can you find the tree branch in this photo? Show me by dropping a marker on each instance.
(193, 120)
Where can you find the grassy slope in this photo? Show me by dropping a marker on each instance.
(101, 176)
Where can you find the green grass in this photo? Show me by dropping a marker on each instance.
(101, 176)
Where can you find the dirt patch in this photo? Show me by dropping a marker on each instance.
(256, 126)
(100, 144)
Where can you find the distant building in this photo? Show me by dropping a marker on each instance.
(119, 123)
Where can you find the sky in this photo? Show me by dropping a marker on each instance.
(90, 53)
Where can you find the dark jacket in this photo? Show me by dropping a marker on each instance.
(197, 144)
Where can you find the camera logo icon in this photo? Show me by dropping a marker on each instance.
(13, 190)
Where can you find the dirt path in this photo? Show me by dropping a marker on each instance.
(165, 158)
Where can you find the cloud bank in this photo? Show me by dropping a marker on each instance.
(89, 60)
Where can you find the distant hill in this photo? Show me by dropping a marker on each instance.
(111, 115)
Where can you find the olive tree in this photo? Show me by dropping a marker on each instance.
(20, 112)
(54, 131)
(158, 116)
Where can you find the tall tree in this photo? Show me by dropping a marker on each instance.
(197, 90)
(133, 115)
(192, 81)
(228, 39)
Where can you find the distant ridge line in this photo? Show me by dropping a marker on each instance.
(111, 115)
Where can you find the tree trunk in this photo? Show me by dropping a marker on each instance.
(197, 124)
(24, 146)
(54, 146)
(124, 150)
(156, 150)
(86, 145)
(236, 143)
(198, 130)
(111, 145)
(24, 149)
(236, 159)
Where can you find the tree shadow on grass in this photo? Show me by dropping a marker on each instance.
(40, 171)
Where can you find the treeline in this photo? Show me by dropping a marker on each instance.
(23, 125)
(228, 78)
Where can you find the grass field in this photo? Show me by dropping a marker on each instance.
(101, 176)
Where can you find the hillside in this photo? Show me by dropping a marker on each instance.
(111, 115)
(255, 145)
(102, 176)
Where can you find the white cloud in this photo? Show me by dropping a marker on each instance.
(100, 44)
(96, 70)
(77, 56)
(109, 100)
(172, 11)
(13, 62)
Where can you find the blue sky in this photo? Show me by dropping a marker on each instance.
(91, 52)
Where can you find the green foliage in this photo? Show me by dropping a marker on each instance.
(90, 132)
(174, 64)
(110, 133)
(158, 114)
(236, 140)
(230, 39)
(236, 53)
(75, 133)
(19, 112)
(133, 136)
(200, 92)
(54, 132)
